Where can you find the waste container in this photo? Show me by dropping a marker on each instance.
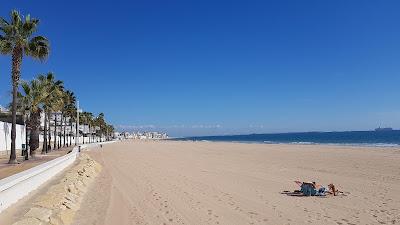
(23, 150)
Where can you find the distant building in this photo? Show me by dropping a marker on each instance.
(141, 135)
(153, 135)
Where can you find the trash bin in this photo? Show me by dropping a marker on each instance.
(23, 150)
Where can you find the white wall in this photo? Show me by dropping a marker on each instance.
(5, 136)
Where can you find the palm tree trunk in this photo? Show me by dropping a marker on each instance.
(55, 131)
(44, 149)
(34, 123)
(83, 134)
(49, 129)
(26, 139)
(76, 131)
(60, 134)
(65, 126)
(15, 75)
(70, 137)
(90, 135)
(13, 155)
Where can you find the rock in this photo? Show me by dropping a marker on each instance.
(42, 214)
(29, 221)
(56, 220)
(67, 216)
(59, 205)
(51, 199)
(80, 186)
(71, 197)
(71, 188)
(70, 205)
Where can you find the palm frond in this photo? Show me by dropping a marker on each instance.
(26, 87)
(28, 28)
(15, 18)
(5, 46)
(3, 22)
(38, 47)
(17, 34)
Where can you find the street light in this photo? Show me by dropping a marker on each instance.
(78, 110)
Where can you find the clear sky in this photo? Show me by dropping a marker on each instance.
(223, 67)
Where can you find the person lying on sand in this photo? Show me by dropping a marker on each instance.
(314, 189)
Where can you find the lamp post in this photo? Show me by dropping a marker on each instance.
(78, 110)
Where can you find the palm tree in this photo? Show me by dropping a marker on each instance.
(56, 106)
(51, 103)
(88, 118)
(67, 111)
(91, 126)
(111, 131)
(32, 99)
(63, 116)
(72, 117)
(83, 121)
(101, 124)
(16, 40)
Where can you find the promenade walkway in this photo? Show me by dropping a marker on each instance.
(8, 170)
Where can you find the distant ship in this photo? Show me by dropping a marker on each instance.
(384, 129)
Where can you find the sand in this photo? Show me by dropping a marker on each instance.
(231, 183)
(57, 201)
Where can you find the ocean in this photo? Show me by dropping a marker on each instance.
(364, 138)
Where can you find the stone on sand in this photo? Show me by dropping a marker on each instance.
(29, 221)
(42, 214)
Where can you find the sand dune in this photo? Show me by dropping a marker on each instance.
(230, 183)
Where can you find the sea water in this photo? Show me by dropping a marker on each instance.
(365, 138)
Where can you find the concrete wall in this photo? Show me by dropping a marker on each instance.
(17, 186)
(5, 136)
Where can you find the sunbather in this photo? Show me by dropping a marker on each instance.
(312, 189)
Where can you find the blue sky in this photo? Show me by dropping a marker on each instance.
(223, 67)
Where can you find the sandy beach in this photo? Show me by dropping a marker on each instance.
(231, 183)
(200, 113)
